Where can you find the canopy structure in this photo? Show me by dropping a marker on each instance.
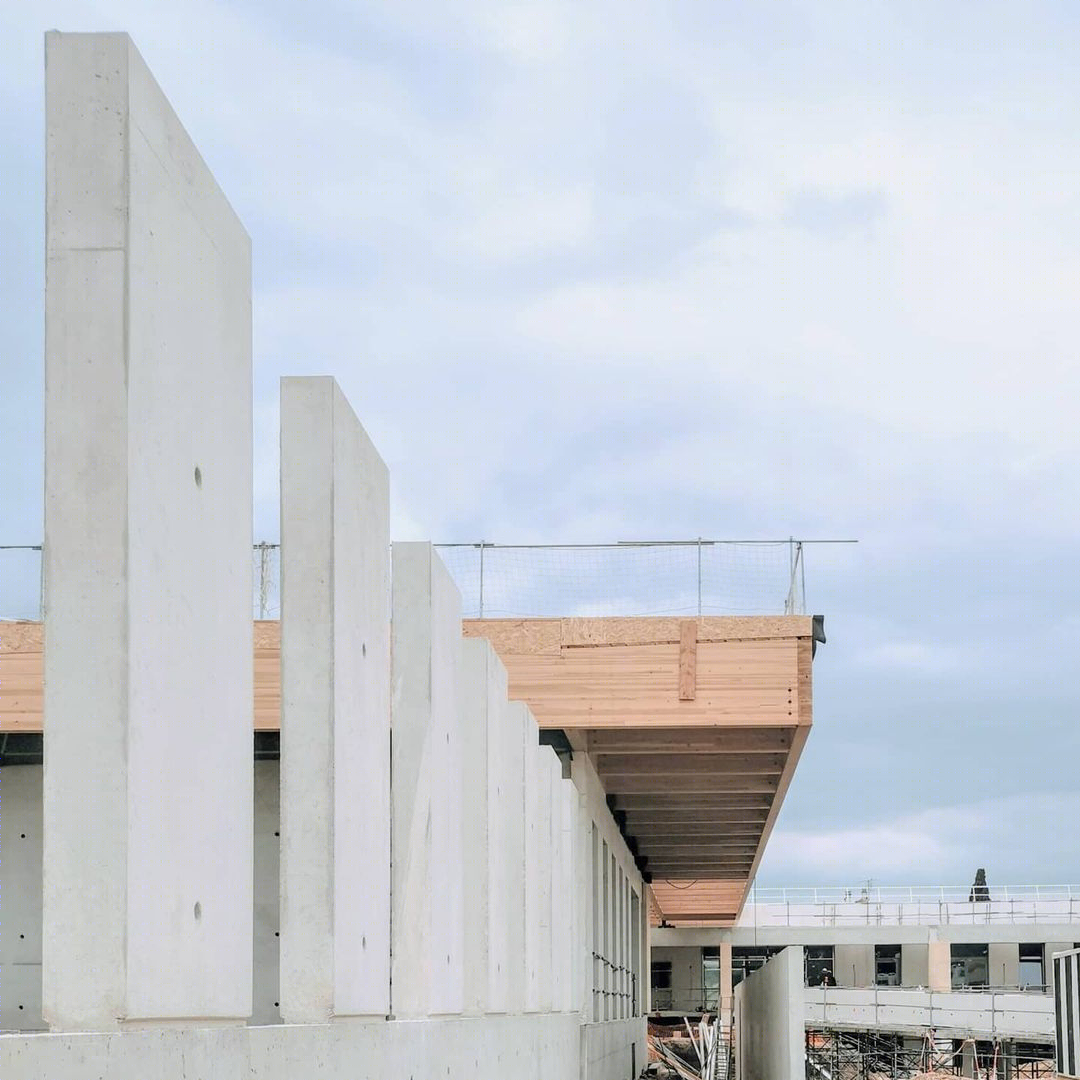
(694, 726)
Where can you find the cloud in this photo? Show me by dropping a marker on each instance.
(940, 844)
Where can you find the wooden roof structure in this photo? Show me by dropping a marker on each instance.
(694, 726)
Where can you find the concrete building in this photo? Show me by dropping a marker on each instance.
(364, 840)
(928, 937)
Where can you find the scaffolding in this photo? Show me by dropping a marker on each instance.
(834, 1054)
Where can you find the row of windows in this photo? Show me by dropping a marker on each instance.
(970, 967)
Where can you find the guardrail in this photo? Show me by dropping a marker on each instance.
(915, 905)
(624, 578)
(961, 1014)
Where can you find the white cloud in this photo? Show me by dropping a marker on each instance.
(1013, 838)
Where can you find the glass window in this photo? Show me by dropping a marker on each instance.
(887, 965)
(710, 978)
(1031, 966)
(747, 958)
(661, 984)
(970, 966)
(819, 965)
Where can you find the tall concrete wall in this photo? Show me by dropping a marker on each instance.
(770, 1039)
(147, 558)
(335, 710)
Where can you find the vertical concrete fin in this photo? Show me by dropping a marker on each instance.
(335, 710)
(428, 883)
(147, 558)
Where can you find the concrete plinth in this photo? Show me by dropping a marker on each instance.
(147, 863)
(335, 710)
(428, 905)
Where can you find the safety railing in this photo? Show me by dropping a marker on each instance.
(914, 905)
(626, 578)
(984, 1012)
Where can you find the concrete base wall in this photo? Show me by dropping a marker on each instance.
(770, 1031)
(525, 1047)
(613, 1051)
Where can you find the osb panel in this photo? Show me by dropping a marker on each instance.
(20, 676)
(752, 683)
(526, 637)
(663, 630)
(21, 637)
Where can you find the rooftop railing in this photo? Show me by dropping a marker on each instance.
(912, 905)
(639, 578)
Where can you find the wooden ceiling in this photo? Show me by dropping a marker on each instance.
(694, 726)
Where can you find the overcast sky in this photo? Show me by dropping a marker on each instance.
(599, 271)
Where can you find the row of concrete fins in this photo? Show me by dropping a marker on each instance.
(482, 825)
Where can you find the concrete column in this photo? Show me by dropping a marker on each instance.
(426, 796)
(726, 1000)
(506, 847)
(147, 867)
(483, 705)
(914, 966)
(561, 891)
(967, 1058)
(939, 966)
(537, 873)
(854, 965)
(1004, 962)
(1049, 949)
(335, 710)
(646, 952)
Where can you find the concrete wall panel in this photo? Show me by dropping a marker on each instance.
(335, 710)
(538, 781)
(483, 704)
(428, 915)
(265, 1000)
(770, 1042)
(147, 557)
(506, 846)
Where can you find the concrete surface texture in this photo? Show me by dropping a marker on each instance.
(506, 846)
(770, 1039)
(539, 761)
(335, 706)
(428, 885)
(483, 699)
(147, 566)
(967, 1014)
(525, 1047)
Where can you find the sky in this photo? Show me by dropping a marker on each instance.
(594, 272)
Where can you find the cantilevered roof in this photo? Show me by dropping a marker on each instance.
(694, 726)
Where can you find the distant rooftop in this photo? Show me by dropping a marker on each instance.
(910, 905)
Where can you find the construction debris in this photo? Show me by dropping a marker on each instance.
(711, 1049)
